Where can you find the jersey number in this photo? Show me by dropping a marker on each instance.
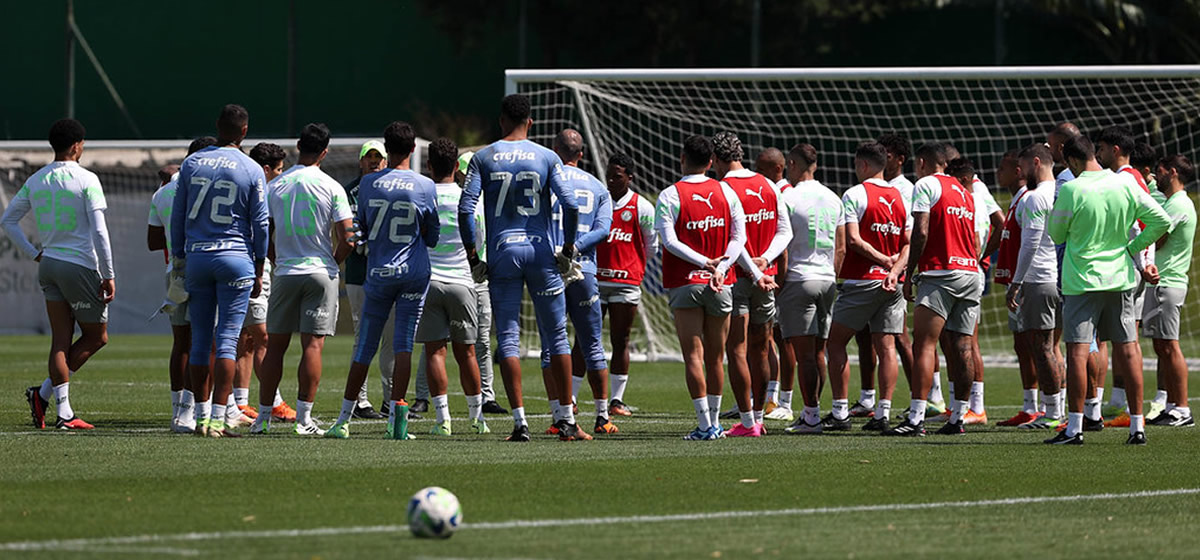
(406, 215)
(215, 212)
(64, 213)
(531, 191)
(308, 209)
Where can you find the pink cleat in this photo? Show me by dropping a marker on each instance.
(738, 430)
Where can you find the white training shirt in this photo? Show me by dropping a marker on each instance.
(905, 187)
(160, 210)
(304, 203)
(1036, 261)
(985, 206)
(448, 260)
(783, 229)
(815, 213)
(68, 207)
(667, 211)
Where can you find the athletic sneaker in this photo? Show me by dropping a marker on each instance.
(703, 435)
(1136, 439)
(780, 413)
(366, 413)
(340, 430)
(604, 426)
(937, 418)
(37, 407)
(1090, 425)
(769, 407)
(720, 431)
(490, 407)
(907, 429)
(1021, 418)
(951, 429)
(309, 429)
(1110, 411)
(935, 408)
(1155, 410)
(248, 411)
(442, 429)
(1121, 421)
(183, 425)
(240, 422)
(419, 405)
(1044, 423)
(260, 427)
(220, 430)
(618, 408)
(1173, 419)
(283, 413)
(802, 427)
(860, 411)
(731, 414)
(738, 430)
(480, 427)
(571, 432)
(519, 433)
(972, 419)
(1061, 438)
(72, 423)
(201, 428)
(876, 425)
(831, 424)
(762, 428)
(553, 429)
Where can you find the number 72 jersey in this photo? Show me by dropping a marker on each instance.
(397, 210)
(219, 205)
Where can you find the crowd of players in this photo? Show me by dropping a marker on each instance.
(751, 262)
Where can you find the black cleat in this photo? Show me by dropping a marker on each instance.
(520, 433)
(730, 414)
(493, 407)
(366, 413)
(1090, 425)
(419, 405)
(385, 409)
(1061, 438)
(37, 407)
(618, 408)
(568, 431)
(1136, 439)
(951, 429)
(831, 424)
(907, 429)
(877, 425)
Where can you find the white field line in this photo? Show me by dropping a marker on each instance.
(84, 544)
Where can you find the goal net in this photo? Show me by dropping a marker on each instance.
(984, 112)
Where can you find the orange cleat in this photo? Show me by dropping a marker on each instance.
(975, 419)
(552, 430)
(74, 423)
(618, 408)
(571, 432)
(1121, 421)
(248, 411)
(283, 413)
(1020, 419)
(605, 426)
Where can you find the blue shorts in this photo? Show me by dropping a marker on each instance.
(532, 265)
(407, 298)
(218, 287)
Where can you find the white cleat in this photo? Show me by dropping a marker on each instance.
(309, 429)
(260, 426)
(239, 421)
(781, 413)
(183, 425)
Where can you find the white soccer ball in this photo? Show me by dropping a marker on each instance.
(434, 513)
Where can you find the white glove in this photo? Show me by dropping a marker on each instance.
(574, 273)
(357, 240)
(564, 260)
(176, 285)
(479, 272)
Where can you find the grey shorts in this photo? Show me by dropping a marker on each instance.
(954, 297)
(77, 285)
(808, 308)
(1139, 297)
(1161, 317)
(305, 303)
(749, 300)
(689, 296)
(860, 304)
(451, 312)
(620, 293)
(1040, 308)
(256, 311)
(1103, 315)
(1014, 322)
(179, 311)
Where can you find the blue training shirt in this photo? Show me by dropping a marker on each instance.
(595, 215)
(397, 209)
(219, 206)
(515, 179)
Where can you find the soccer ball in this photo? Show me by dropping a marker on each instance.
(434, 513)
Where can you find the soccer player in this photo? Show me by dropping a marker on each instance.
(74, 266)
(767, 235)
(372, 157)
(621, 263)
(219, 237)
(813, 261)
(772, 164)
(1093, 215)
(702, 228)
(398, 214)
(158, 238)
(944, 264)
(307, 206)
(1033, 293)
(1164, 299)
(515, 178)
(877, 227)
(1097, 364)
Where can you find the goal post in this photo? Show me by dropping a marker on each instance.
(983, 111)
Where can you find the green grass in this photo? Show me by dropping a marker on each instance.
(131, 477)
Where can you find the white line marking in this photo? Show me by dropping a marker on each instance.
(77, 544)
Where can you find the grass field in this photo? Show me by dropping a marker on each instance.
(130, 488)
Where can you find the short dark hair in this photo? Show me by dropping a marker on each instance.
(873, 153)
(201, 143)
(1143, 155)
(443, 157)
(1036, 150)
(950, 151)
(621, 159)
(233, 117)
(1182, 165)
(314, 138)
(962, 169)
(727, 147)
(1079, 147)
(804, 152)
(268, 154)
(65, 133)
(934, 152)
(897, 145)
(1014, 153)
(399, 139)
(1118, 136)
(697, 150)
(515, 108)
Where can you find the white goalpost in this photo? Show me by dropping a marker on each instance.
(983, 111)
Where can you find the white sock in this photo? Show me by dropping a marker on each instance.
(441, 408)
(218, 412)
(1075, 423)
(475, 406)
(916, 411)
(188, 401)
(576, 383)
(264, 413)
(747, 419)
(1183, 411)
(176, 396)
(935, 391)
(601, 408)
(953, 395)
(202, 411)
(758, 416)
(241, 396)
(841, 409)
(773, 392)
(555, 411)
(785, 399)
(958, 410)
(230, 402)
(1100, 394)
(1062, 397)
(567, 414)
(1053, 405)
(1160, 397)
(618, 386)
(303, 412)
(703, 417)
(47, 389)
(519, 417)
(232, 412)
(866, 397)
(62, 395)
(1030, 406)
(278, 399)
(1117, 398)
(347, 410)
(1091, 409)
(977, 397)
(714, 410)
(883, 408)
(812, 415)
(1137, 423)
